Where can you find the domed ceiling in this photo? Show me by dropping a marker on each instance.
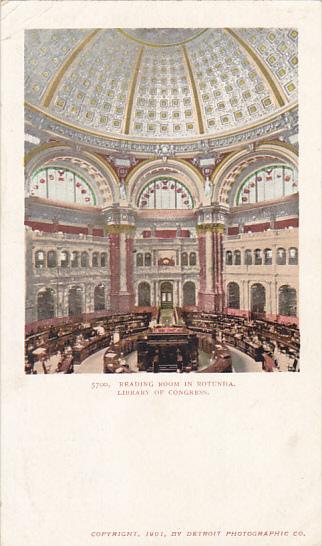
(160, 84)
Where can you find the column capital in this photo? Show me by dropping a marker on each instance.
(116, 215)
(213, 228)
(117, 229)
(213, 214)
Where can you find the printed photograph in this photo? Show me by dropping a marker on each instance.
(161, 201)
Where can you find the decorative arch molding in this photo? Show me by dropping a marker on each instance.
(99, 173)
(230, 172)
(182, 170)
(43, 288)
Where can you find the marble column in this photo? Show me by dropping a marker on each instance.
(206, 297)
(211, 292)
(120, 239)
(218, 269)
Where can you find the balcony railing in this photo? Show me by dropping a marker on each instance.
(69, 271)
(268, 234)
(166, 268)
(69, 237)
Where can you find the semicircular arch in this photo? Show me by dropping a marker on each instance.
(237, 165)
(181, 170)
(97, 173)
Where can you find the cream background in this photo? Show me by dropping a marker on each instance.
(76, 460)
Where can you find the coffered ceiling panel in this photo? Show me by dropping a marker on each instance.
(161, 83)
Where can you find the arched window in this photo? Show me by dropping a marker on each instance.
(287, 301)
(293, 256)
(248, 257)
(103, 259)
(189, 294)
(257, 257)
(75, 301)
(147, 260)
(74, 259)
(139, 260)
(229, 258)
(51, 258)
(144, 295)
(281, 256)
(193, 258)
(237, 257)
(40, 259)
(268, 183)
(233, 298)
(165, 193)
(45, 304)
(268, 256)
(64, 258)
(184, 258)
(61, 184)
(84, 259)
(99, 298)
(95, 259)
(258, 298)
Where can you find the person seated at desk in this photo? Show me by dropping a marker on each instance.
(68, 349)
(123, 367)
(276, 354)
(260, 355)
(28, 366)
(268, 363)
(66, 365)
(292, 367)
(101, 330)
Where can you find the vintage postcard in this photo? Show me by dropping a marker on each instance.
(161, 216)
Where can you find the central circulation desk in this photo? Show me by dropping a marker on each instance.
(163, 349)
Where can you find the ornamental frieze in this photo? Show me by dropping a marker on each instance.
(287, 121)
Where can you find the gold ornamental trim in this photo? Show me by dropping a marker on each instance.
(213, 228)
(117, 229)
(93, 156)
(121, 138)
(264, 146)
(61, 72)
(194, 90)
(42, 147)
(266, 74)
(132, 88)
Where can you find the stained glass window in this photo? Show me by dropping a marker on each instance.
(61, 184)
(165, 193)
(267, 184)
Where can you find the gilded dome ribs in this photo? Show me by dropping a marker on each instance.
(60, 74)
(187, 85)
(265, 72)
(132, 87)
(194, 91)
